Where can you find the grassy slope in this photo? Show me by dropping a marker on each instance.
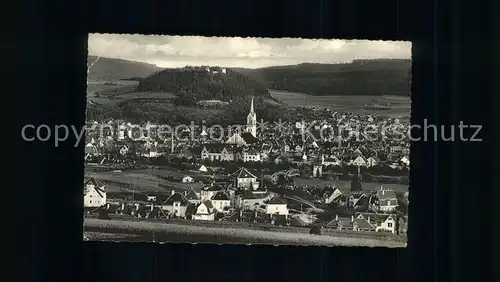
(109, 69)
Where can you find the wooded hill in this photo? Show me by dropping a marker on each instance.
(361, 77)
(193, 84)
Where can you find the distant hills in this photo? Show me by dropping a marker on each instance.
(109, 69)
(361, 77)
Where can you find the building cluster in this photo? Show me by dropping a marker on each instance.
(290, 143)
(242, 196)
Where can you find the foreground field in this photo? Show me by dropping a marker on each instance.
(399, 106)
(146, 181)
(162, 232)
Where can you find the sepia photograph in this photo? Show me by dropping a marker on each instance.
(228, 140)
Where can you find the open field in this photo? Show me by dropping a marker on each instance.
(164, 232)
(145, 181)
(399, 106)
(347, 185)
(94, 87)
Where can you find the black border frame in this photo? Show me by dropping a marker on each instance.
(54, 45)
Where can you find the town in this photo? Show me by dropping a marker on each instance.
(266, 174)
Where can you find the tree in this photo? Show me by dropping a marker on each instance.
(356, 183)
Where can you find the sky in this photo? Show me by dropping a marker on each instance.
(179, 51)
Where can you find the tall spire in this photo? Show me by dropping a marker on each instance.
(251, 106)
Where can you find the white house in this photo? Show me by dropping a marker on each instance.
(382, 222)
(124, 150)
(387, 200)
(276, 206)
(372, 161)
(387, 225)
(187, 179)
(245, 180)
(205, 211)
(330, 161)
(94, 194)
(203, 168)
(221, 202)
(251, 156)
(405, 161)
(329, 197)
(176, 205)
(91, 149)
(359, 161)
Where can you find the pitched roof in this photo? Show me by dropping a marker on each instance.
(214, 187)
(177, 197)
(244, 173)
(276, 201)
(385, 194)
(191, 195)
(220, 196)
(363, 223)
(248, 138)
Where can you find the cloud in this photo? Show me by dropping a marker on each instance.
(178, 51)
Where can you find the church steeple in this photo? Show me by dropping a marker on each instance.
(252, 120)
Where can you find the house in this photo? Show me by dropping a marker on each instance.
(207, 192)
(245, 180)
(387, 200)
(204, 211)
(176, 204)
(251, 155)
(353, 224)
(359, 161)
(91, 149)
(281, 146)
(381, 222)
(219, 152)
(94, 194)
(192, 196)
(242, 139)
(187, 179)
(124, 150)
(406, 161)
(221, 202)
(203, 168)
(330, 161)
(330, 196)
(277, 206)
(372, 161)
(341, 200)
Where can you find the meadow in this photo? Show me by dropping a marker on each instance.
(399, 106)
(140, 181)
(165, 232)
